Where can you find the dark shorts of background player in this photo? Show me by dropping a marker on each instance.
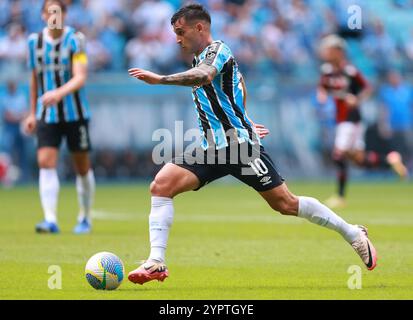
(260, 173)
(76, 134)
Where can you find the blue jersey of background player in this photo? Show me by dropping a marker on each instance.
(59, 110)
(53, 63)
(215, 102)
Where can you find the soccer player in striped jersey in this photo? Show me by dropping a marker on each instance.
(59, 110)
(349, 88)
(217, 88)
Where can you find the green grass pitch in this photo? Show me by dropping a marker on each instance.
(225, 244)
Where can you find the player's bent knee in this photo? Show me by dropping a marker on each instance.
(45, 162)
(82, 170)
(82, 165)
(161, 187)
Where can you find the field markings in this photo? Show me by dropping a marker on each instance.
(355, 217)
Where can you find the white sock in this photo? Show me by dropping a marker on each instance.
(49, 192)
(160, 221)
(85, 187)
(317, 213)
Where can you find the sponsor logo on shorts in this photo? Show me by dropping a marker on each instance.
(266, 180)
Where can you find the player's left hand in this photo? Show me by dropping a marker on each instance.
(352, 101)
(146, 76)
(51, 98)
(261, 130)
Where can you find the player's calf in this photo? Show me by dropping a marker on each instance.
(282, 200)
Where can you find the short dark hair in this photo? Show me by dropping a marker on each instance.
(192, 12)
(60, 3)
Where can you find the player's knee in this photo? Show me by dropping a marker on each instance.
(161, 187)
(358, 159)
(82, 169)
(82, 165)
(45, 162)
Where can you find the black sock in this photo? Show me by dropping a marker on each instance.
(373, 160)
(342, 175)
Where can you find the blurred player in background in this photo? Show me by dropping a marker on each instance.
(59, 109)
(396, 97)
(14, 110)
(349, 89)
(219, 97)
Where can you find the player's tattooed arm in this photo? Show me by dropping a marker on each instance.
(197, 76)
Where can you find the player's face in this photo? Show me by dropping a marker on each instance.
(53, 15)
(394, 78)
(188, 36)
(332, 55)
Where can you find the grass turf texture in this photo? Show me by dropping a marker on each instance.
(225, 244)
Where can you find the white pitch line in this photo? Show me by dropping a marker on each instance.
(257, 218)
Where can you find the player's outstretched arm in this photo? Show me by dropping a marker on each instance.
(198, 76)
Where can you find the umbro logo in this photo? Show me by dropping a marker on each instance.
(265, 179)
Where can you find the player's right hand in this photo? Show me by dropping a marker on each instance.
(29, 124)
(261, 130)
(145, 75)
(322, 96)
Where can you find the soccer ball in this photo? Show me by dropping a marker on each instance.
(105, 271)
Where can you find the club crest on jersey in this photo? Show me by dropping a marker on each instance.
(212, 52)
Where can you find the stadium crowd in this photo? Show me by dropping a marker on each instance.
(266, 35)
(275, 37)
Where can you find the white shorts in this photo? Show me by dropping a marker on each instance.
(350, 137)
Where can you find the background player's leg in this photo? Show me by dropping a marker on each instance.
(169, 182)
(85, 185)
(342, 175)
(373, 159)
(343, 142)
(283, 201)
(48, 182)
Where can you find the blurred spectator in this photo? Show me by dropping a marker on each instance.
(113, 38)
(5, 8)
(403, 4)
(220, 16)
(31, 15)
(99, 55)
(79, 14)
(14, 110)
(13, 50)
(397, 114)
(408, 49)
(381, 48)
(143, 51)
(292, 30)
(152, 16)
(241, 37)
